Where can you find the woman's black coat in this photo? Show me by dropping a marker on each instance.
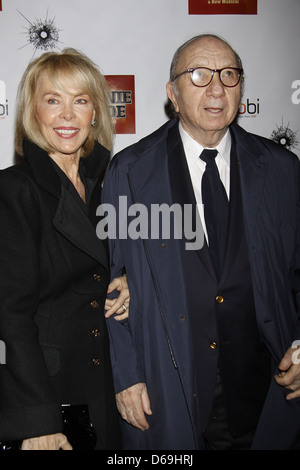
(53, 280)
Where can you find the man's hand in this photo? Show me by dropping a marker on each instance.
(133, 403)
(49, 442)
(289, 376)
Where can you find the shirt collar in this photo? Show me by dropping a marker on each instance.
(193, 149)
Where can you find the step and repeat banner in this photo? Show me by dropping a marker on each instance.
(133, 42)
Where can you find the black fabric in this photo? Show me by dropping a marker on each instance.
(53, 280)
(217, 435)
(215, 203)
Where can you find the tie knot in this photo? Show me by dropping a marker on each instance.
(208, 156)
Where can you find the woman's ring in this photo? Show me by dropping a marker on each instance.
(124, 308)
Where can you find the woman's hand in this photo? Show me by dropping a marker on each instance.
(49, 442)
(120, 305)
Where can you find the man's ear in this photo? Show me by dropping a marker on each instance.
(172, 95)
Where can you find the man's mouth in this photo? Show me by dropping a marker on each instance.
(214, 110)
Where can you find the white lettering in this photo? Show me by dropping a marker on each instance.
(2, 352)
(296, 354)
(296, 94)
(167, 222)
(117, 460)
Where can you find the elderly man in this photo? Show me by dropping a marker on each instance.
(208, 358)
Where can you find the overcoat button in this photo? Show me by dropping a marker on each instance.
(96, 361)
(213, 345)
(96, 277)
(219, 299)
(94, 304)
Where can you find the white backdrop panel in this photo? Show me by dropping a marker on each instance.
(139, 37)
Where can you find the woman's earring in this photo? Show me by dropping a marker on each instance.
(93, 122)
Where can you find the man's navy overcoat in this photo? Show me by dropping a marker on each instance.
(154, 345)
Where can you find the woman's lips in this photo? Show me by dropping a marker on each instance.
(66, 132)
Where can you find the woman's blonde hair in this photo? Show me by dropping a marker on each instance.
(77, 67)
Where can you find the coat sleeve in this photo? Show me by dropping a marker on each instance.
(28, 405)
(126, 363)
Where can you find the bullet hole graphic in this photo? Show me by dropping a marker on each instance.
(42, 34)
(284, 136)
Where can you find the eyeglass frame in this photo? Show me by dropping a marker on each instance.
(191, 70)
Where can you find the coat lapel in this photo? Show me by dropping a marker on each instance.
(72, 222)
(182, 189)
(235, 220)
(253, 166)
(70, 219)
(247, 175)
(149, 184)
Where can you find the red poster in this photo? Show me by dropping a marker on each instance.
(0, 5)
(223, 7)
(122, 100)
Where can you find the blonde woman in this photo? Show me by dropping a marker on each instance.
(54, 270)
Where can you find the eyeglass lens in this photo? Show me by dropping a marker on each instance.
(202, 77)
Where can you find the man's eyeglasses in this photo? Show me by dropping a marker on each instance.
(202, 76)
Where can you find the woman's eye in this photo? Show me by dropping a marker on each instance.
(81, 101)
(52, 101)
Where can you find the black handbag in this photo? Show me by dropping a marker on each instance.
(77, 427)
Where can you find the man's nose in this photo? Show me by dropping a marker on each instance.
(216, 87)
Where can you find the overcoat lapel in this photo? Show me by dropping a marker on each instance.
(247, 175)
(72, 222)
(163, 255)
(182, 189)
(70, 219)
(235, 220)
(253, 166)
